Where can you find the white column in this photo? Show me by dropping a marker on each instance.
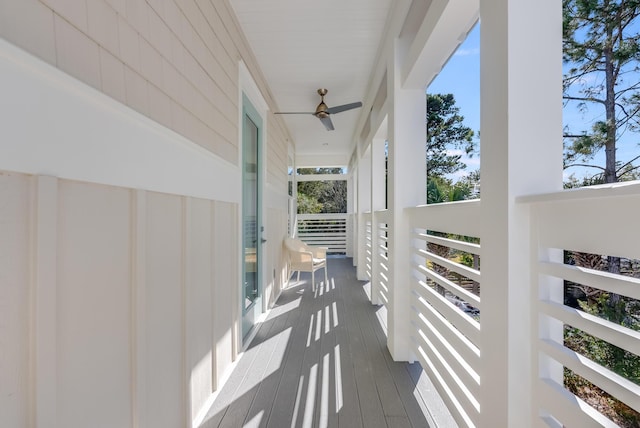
(377, 203)
(364, 207)
(521, 153)
(407, 188)
(350, 211)
(355, 218)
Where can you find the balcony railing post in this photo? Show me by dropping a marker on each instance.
(375, 259)
(378, 196)
(521, 152)
(364, 206)
(407, 188)
(350, 204)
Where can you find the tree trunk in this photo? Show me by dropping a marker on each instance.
(610, 175)
(476, 265)
(610, 111)
(443, 252)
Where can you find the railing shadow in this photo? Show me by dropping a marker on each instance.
(320, 360)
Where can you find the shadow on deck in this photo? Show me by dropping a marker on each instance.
(320, 360)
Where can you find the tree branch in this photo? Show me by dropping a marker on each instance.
(628, 163)
(590, 99)
(583, 165)
(574, 135)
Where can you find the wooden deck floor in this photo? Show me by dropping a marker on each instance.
(320, 360)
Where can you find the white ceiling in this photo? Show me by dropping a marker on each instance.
(303, 45)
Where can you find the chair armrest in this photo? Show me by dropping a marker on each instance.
(301, 256)
(319, 252)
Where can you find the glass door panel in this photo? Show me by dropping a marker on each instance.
(251, 218)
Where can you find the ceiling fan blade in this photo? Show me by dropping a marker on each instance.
(294, 112)
(344, 107)
(326, 121)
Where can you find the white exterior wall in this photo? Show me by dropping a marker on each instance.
(119, 300)
(120, 185)
(175, 62)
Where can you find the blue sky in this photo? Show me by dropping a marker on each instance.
(461, 77)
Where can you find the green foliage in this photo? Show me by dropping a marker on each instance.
(308, 204)
(619, 310)
(622, 362)
(322, 196)
(440, 190)
(621, 414)
(466, 259)
(601, 47)
(446, 131)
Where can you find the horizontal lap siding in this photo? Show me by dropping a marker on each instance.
(175, 61)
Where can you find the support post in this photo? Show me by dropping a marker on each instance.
(364, 207)
(521, 153)
(378, 178)
(407, 188)
(350, 211)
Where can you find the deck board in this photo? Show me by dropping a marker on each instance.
(320, 360)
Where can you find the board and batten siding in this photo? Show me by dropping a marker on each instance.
(115, 303)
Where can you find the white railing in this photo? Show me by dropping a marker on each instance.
(445, 303)
(381, 274)
(602, 221)
(368, 246)
(327, 230)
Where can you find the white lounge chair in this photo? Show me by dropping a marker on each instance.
(306, 258)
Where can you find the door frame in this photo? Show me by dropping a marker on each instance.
(251, 315)
(249, 93)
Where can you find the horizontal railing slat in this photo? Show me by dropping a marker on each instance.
(451, 286)
(463, 406)
(325, 230)
(619, 387)
(425, 295)
(466, 371)
(569, 409)
(613, 283)
(465, 271)
(467, 247)
(615, 334)
(469, 351)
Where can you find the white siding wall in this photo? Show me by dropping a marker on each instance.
(15, 271)
(144, 320)
(173, 61)
(119, 206)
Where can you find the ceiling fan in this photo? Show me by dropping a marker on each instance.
(323, 112)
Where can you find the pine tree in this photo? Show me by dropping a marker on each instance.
(446, 131)
(602, 50)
